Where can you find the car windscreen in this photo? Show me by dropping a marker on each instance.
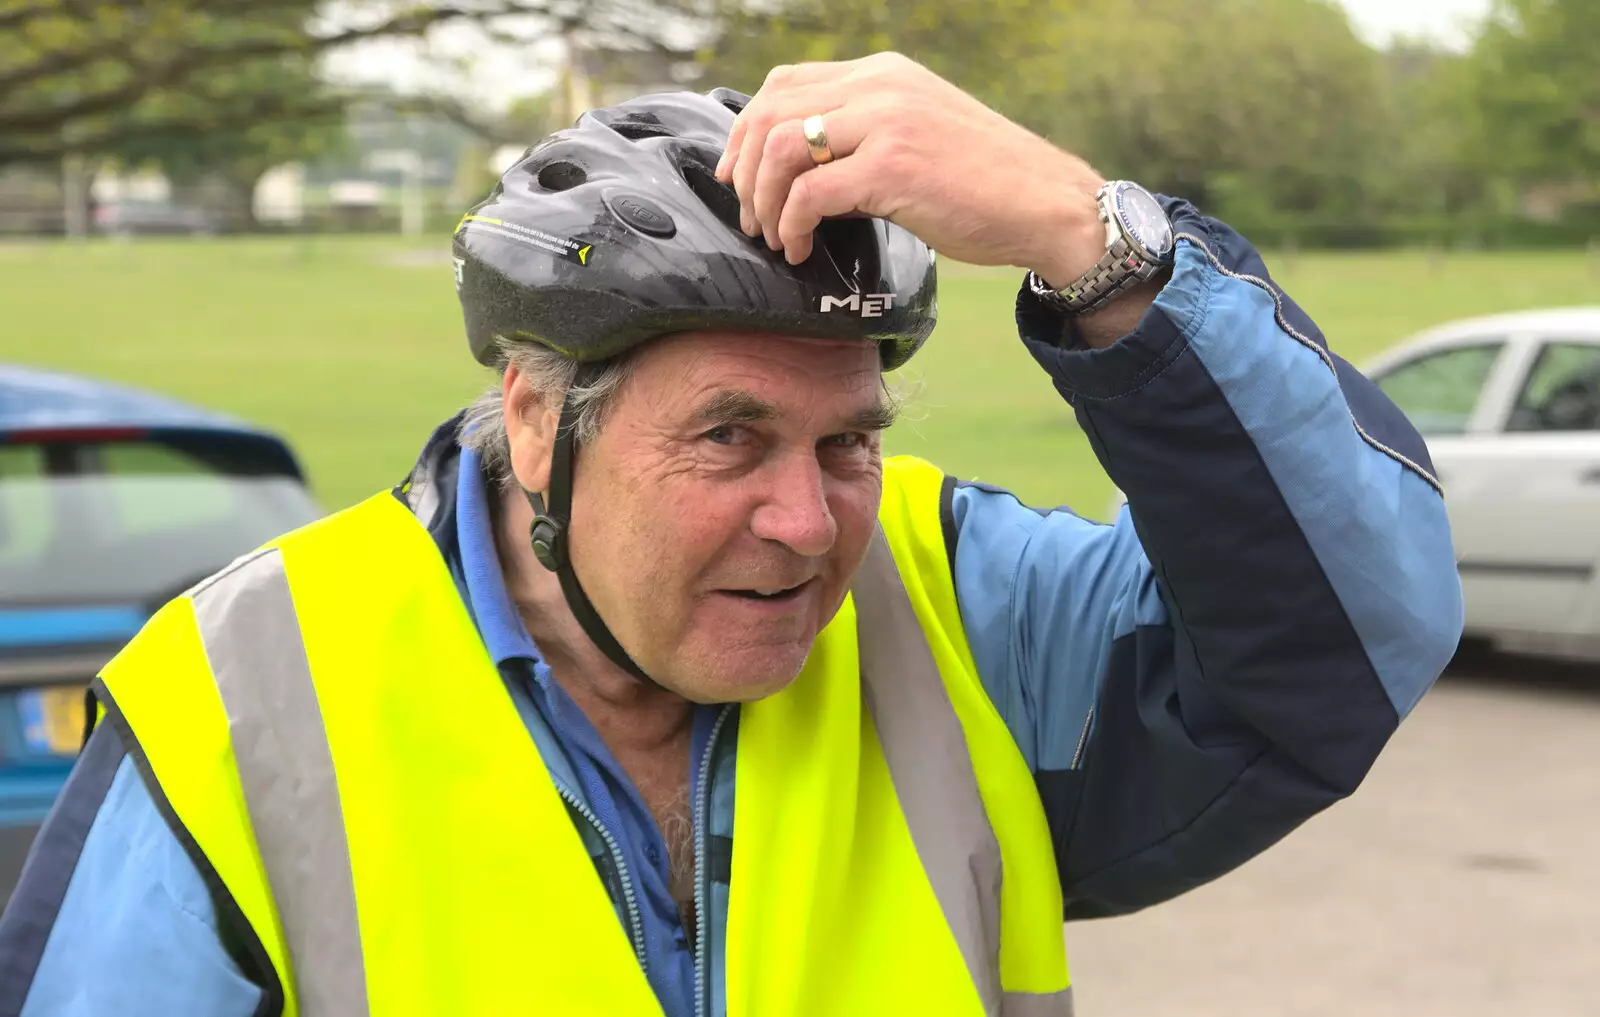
(101, 521)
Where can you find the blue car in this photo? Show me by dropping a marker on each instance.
(112, 501)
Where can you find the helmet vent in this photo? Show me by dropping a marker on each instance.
(733, 102)
(561, 176)
(638, 132)
(720, 198)
(637, 125)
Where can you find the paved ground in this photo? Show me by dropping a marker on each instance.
(1462, 880)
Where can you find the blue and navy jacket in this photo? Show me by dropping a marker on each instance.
(1188, 684)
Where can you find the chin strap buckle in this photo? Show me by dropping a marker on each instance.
(548, 546)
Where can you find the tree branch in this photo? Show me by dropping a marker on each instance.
(39, 122)
(261, 108)
(450, 110)
(63, 60)
(25, 13)
(176, 70)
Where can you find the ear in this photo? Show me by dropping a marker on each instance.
(531, 431)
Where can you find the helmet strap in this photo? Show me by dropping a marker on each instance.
(548, 536)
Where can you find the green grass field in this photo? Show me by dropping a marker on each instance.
(353, 347)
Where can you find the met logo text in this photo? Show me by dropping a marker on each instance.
(870, 306)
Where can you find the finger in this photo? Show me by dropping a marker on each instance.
(745, 164)
(758, 119)
(781, 81)
(837, 189)
(827, 100)
(786, 156)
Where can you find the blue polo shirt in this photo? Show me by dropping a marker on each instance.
(591, 773)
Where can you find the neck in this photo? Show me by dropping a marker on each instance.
(632, 716)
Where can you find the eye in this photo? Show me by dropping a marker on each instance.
(723, 434)
(849, 439)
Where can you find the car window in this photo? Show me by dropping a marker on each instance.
(1438, 391)
(160, 487)
(1562, 392)
(25, 524)
(134, 521)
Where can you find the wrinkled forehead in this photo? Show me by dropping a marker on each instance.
(790, 375)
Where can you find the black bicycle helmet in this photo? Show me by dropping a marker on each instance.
(616, 231)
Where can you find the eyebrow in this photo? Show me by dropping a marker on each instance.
(880, 416)
(732, 406)
(735, 406)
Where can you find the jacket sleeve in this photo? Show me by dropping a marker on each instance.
(111, 918)
(1226, 660)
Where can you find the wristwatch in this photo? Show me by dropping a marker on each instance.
(1139, 243)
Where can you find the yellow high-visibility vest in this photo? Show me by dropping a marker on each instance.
(324, 723)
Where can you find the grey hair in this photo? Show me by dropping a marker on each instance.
(550, 375)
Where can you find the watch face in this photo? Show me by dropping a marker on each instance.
(1145, 221)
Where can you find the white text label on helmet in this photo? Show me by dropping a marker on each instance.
(870, 306)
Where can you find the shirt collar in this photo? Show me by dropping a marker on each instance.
(499, 623)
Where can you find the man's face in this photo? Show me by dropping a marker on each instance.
(718, 518)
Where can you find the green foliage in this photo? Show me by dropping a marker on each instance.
(294, 118)
(532, 117)
(1237, 104)
(1268, 113)
(308, 121)
(86, 76)
(1232, 103)
(984, 46)
(1536, 83)
(82, 75)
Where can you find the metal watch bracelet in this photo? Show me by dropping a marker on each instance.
(1094, 290)
(1122, 267)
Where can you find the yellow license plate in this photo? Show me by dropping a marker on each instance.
(54, 719)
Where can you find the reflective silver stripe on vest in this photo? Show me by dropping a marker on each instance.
(1037, 1004)
(929, 764)
(252, 639)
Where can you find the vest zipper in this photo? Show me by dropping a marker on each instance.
(635, 920)
(702, 918)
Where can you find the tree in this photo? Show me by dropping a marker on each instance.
(233, 156)
(1433, 165)
(71, 71)
(1243, 106)
(985, 46)
(531, 118)
(1253, 106)
(88, 75)
(1536, 83)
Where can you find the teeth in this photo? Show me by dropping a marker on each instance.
(766, 591)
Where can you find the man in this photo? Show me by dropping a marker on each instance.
(810, 732)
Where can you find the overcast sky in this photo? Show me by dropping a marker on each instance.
(498, 76)
(1444, 20)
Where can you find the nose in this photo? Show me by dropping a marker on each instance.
(796, 512)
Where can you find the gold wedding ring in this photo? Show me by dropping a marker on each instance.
(817, 140)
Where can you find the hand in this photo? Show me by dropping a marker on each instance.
(912, 148)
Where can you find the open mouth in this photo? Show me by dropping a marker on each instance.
(771, 596)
